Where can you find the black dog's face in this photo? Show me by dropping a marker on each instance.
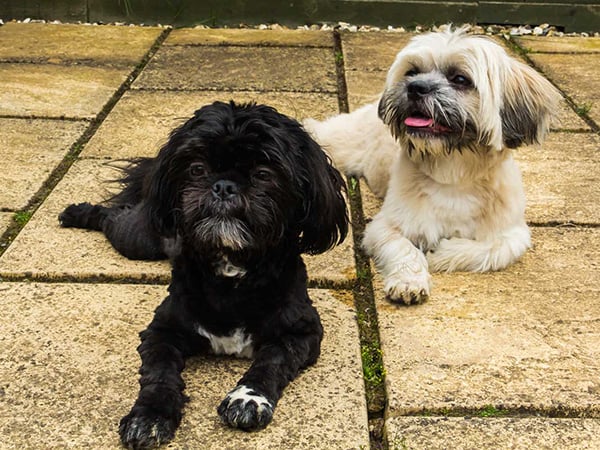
(244, 178)
(233, 197)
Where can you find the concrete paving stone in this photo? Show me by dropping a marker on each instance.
(577, 75)
(142, 120)
(68, 372)
(525, 338)
(5, 221)
(45, 250)
(514, 433)
(561, 178)
(56, 44)
(364, 87)
(556, 44)
(241, 68)
(250, 38)
(57, 91)
(372, 51)
(32, 148)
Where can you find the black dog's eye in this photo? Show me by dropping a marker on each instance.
(262, 174)
(461, 80)
(197, 170)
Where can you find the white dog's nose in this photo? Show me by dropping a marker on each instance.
(419, 88)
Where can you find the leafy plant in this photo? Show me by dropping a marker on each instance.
(22, 217)
(583, 109)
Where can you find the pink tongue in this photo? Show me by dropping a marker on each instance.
(418, 122)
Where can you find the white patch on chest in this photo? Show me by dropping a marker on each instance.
(238, 343)
(225, 268)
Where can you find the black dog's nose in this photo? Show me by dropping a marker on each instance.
(419, 88)
(224, 189)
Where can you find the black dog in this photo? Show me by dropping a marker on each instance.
(236, 195)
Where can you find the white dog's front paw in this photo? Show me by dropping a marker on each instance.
(408, 286)
(245, 408)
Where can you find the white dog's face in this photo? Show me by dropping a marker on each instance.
(453, 91)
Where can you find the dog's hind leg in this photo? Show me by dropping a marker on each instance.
(84, 215)
(126, 228)
(458, 254)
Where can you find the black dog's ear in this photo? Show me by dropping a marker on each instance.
(161, 192)
(325, 222)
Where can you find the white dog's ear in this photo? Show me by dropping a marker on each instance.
(529, 105)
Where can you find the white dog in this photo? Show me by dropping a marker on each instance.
(438, 146)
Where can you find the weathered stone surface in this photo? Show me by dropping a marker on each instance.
(45, 250)
(241, 68)
(142, 120)
(31, 149)
(489, 339)
(5, 221)
(564, 44)
(250, 37)
(57, 44)
(372, 52)
(458, 433)
(57, 91)
(69, 372)
(577, 75)
(561, 178)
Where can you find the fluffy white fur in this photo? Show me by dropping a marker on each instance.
(453, 199)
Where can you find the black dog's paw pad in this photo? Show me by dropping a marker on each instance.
(74, 215)
(141, 432)
(244, 408)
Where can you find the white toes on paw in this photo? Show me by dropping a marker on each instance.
(408, 288)
(245, 408)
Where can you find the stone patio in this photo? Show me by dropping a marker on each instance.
(498, 360)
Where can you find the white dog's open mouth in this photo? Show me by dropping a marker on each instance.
(422, 124)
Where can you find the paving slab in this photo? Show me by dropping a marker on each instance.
(372, 52)
(31, 149)
(557, 44)
(142, 120)
(523, 339)
(69, 366)
(240, 68)
(50, 90)
(45, 250)
(468, 433)
(250, 37)
(560, 179)
(56, 44)
(5, 221)
(577, 75)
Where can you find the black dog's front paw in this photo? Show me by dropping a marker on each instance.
(75, 215)
(141, 429)
(246, 409)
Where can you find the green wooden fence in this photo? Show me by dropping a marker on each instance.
(584, 15)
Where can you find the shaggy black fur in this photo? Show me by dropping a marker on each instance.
(236, 195)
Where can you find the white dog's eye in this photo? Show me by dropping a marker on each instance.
(197, 170)
(412, 72)
(461, 80)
